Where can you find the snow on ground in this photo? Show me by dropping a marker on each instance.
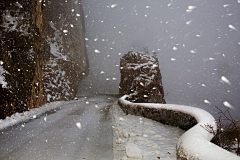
(135, 137)
(194, 143)
(32, 114)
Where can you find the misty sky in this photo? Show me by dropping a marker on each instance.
(197, 42)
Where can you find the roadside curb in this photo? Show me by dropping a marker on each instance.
(195, 143)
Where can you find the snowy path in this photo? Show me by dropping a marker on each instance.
(155, 140)
(74, 130)
(82, 130)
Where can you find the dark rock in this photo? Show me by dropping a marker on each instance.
(21, 55)
(141, 78)
(66, 62)
(42, 53)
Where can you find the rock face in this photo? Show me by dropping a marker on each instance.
(141, 78)
(21, 56)
(42, 53)
(65, 61)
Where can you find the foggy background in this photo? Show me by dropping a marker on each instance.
(197, 43)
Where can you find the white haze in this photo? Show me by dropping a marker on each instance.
(197, 43)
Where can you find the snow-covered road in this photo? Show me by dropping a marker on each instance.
(73, 130)
(136, 137)
(84, 129)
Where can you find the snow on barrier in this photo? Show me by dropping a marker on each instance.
(195, 143)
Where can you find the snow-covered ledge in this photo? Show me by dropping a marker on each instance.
(195, 143)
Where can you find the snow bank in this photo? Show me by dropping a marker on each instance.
(193, 144)
(32, 114)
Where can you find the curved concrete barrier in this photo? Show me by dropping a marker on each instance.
(195, 143)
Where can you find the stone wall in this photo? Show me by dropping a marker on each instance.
(168, 117)
(195, 143)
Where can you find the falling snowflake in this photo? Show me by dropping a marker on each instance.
(65, 31)
(190, 8)
(227, 104)
(113, 5)
(78, 124)
(224, 79)
(188, 22)
(193, 51)
(97, 51)
(206, 101)
(225, 5)
(175, 48)
(232, 27)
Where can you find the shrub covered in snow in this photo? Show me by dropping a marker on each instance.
(141, 78)
(227, 135)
